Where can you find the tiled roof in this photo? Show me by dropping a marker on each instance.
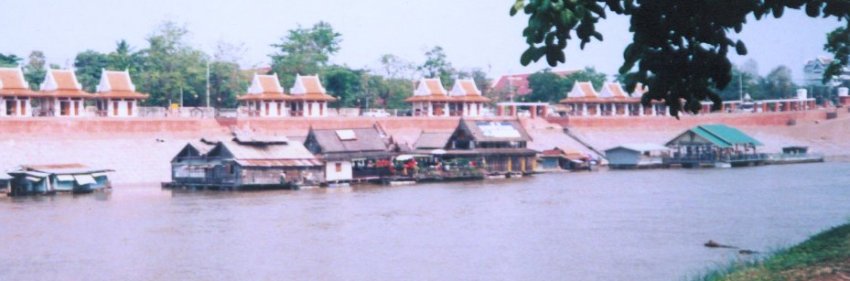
(12, 83)
(62, 83)
(117, 85)
(309, 87)
(612, 90)
(265, 87)
(432, 140)
(520, 82)
(429, 87)
(464, 90)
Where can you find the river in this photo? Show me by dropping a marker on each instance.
(608, 225)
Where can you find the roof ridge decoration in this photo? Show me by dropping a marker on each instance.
(612, 90)
(19, 73)
(257, 86)
(50, 82)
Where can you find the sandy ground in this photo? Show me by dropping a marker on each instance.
(144, 157)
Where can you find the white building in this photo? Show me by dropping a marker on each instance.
(308, 97)
(467, 100)
(15, 93)
(116, 95)
(430, 98)
(62, 95)
(814, 69)
(265, 97)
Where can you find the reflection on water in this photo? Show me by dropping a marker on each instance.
(631, 225)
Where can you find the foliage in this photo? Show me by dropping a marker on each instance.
(395, 67)
(304, 51)
(172, 70)
(679, 48)
(480, 77)
(88, 66)
(345, 84)
(778, 84)
(837, 43)
(9, 60)
(35, 69)
(546, 86)
(587, 74)
(438, 66)
(821, 254)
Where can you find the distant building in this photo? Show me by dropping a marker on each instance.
(62, 95)
(309, 97)
(467, 100)
(351, 154)
(563, 159)
(516, 85)
(814, 69)
(612, 100)
(15, 93)
(117, 96)
(430, 98)
(266, 98)
(44, 179)
(643, 155)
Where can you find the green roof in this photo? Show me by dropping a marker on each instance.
(724, 136)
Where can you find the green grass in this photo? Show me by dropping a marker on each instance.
(823, 255)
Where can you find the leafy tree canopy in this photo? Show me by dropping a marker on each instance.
(304, 51)
(437, 65)
(679, 48)
(9, 60)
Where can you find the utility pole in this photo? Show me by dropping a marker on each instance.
(181, 97)
(208, 83)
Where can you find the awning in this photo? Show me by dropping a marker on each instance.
(97, 175)
(64, 177)
(84, 179)
(404, 157)
(34, 179)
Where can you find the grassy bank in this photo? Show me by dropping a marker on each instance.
(825, 256)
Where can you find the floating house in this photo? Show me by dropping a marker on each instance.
(5, 183)
(116, 95)
(497, 147)
(636, 156)
(356, 154)
(62, 95)
(308, 97)
(714, 145)
(247, 161)
(15, 93)
(45, 179)
(563, 159)
(265, 97)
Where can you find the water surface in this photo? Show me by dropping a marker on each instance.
(617, 225)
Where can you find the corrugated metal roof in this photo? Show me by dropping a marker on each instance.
(279, 162)
(640, 147)
(517, 132)
(242, 151)
(730, 135)
(431, 140)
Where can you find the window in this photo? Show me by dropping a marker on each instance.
(338, 167)
(115, 108)
(11, 106)
(130, 108)
(24, 103)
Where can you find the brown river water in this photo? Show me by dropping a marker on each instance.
(608, 225)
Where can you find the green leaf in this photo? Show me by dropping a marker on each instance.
(525, 58)
(740, 48)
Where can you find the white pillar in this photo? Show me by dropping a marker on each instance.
(583, 109)
(598, 109)
(652, 106)
(430, 109)
(640, 109)
(666, 111)
(445, 109)
(2, 107)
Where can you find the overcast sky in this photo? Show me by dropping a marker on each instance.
(474, 34)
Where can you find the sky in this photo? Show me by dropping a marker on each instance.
(474, 33)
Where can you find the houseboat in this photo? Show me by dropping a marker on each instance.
(496, 148)
(637, 156)
(51, 178)
(563, 159)
(247, 161)
(714, 145)
(795, 154)
(354, 154)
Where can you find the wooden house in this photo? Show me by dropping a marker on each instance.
(15, 93)
(246, 161)
(44, 179)
(265, 97)
(641, 155)
(359, 154)
(62, 95)
(116, 95)
(714, 145)
(498, 147)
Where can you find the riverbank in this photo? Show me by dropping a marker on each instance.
(140, 150)
(825, 256)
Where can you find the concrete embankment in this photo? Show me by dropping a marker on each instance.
(140, 149)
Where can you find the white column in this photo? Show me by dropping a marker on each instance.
(583, 109)
(2, 107)
(667, 111)
(430, 109)
(17, 107)
(446, 109)
(135, 108)
(653, 109)
(598, 109)
(640, 109)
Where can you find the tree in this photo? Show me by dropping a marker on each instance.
(88, 66)
(304, 51)
(395, 67)
(226, 80)
(546, 86)
(35, 70)
(437, 66)
(679, 48)
(171, 68)
(480, 78)
(778, 83)
(741, 83)
(9, 60)
(345, 84)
